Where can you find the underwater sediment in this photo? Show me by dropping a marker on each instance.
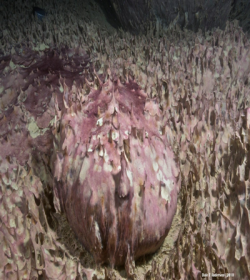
(131, 114)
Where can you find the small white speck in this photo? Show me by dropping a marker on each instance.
(99, 122)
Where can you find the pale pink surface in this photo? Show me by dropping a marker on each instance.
(115, 177)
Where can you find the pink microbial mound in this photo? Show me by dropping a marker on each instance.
(115, 175)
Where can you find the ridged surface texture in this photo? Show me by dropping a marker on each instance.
(178, 100)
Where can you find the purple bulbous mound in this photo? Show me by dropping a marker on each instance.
(115, 175)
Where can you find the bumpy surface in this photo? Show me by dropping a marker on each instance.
(201, 86)
(116, 177)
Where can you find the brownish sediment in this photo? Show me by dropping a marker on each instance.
(195, 91)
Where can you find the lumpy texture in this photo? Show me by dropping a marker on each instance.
(115, 176)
